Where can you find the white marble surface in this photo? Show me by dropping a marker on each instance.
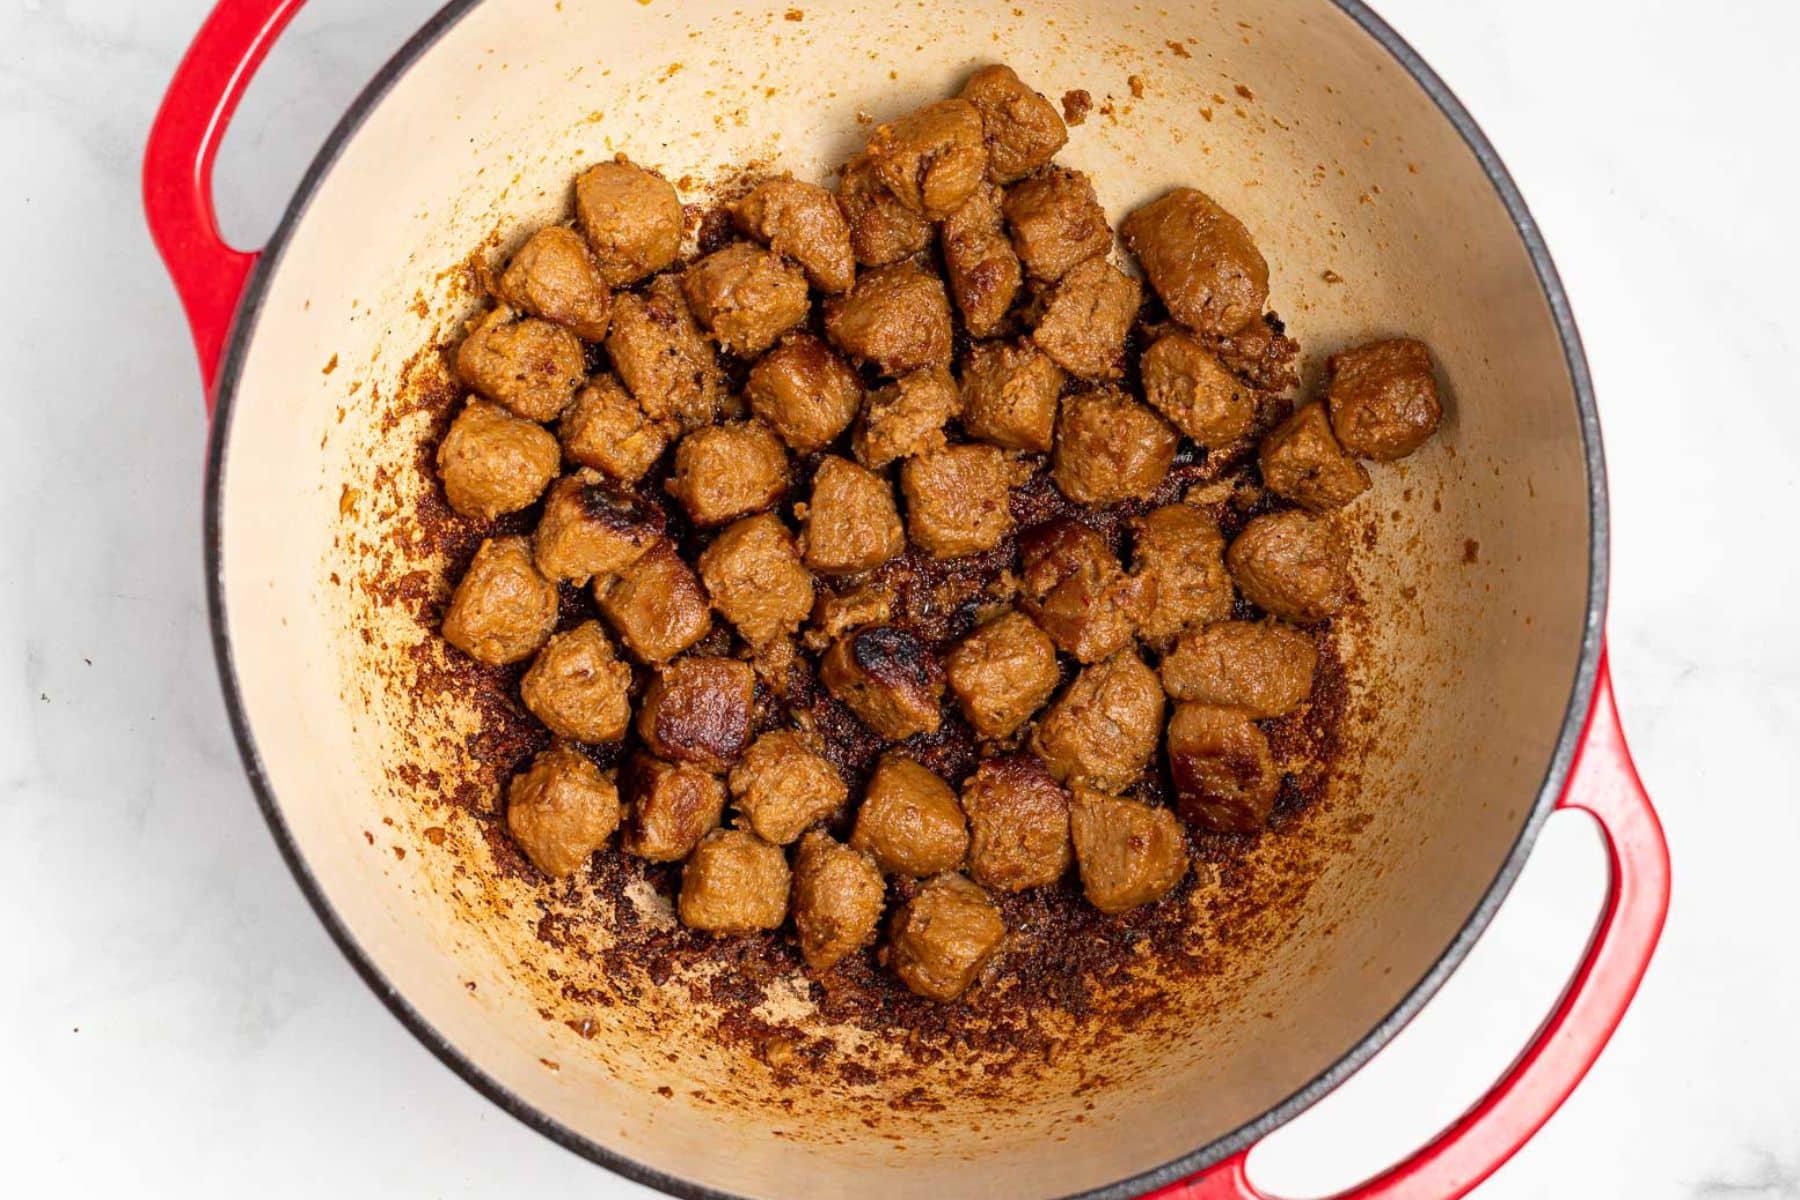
(172, 1018)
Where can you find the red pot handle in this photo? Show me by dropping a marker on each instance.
(1605, 784)
(178, 165)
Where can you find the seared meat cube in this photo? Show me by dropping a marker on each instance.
(632, 219)
(554, 276)
(889, 678)
(804, 392)
(1195, 392)
(723, 472)
(590, 529)
(838, 898)
(1264, 668)
(910, 822)
(734, 882)
(1084, 322)
(1018, 824)
(896, 317)
(662, 356)
(1002, 673)
(1180, 547)
(1023, 129)
(979, 263)
(933, 158)
(493, 462)
(607, 429)
(698, 710)
(1225, 778)
(1292, 565)
(906, 417)
(1384, 398)
(1057, 222)
(672, 806)
(656, 605)
(503, 610)
(746, 295)
(802, 222)
(851, 522)
(941, 938)
(1054, 551)
(1074, 588)
(578, 687)
(1102, 730)
(1301, 460)
(531, 366)
(782, 788)
(882, 229)
(1261, 352)
(957, 498)
(1130, 853)
(1110, 448)
(835, 613)
(1009, 393)
(754, 575)
(560, 810)
(1200, 260)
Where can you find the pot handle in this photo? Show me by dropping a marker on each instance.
(209, 275)
(1605, 784)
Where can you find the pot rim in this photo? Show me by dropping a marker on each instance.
(1550, 789)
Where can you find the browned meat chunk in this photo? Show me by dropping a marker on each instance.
(554, 276)
(1181, 548)
(895, 317)
(1102, 730)
(493, 462)
(889, 678)
(1200, 260)
(723, 472)
(662, 356)
(782, 788)
(804, 392)
(851, 522)
(1110, 448)
(607, 429)
(910, 821)
(590, 529)
(1264, 668)
(754, 575)
(1261, 352)
(1073, 586)
(1023, 129)
(1002, 673)
(838, 898)
(837, 613)
(656, 606)
(1018, 824)
(1301, 460)
(503, 610)
(802, 222)
(906, 417)
(531, 366)
(1225, 778)
(933, 158)
(578, 687)
(1057, 222)
(943, 936)
(632, 219)
(1292, 565)
(979, 262)
(882, 229)
(560, 810)
(746, 295)
(1384, 398)
(673, 806)
(697, 710)
(1009, 393)
(1130, 853)
(957, 498)
(1194, 391)
(1086, 318)
(734, 882)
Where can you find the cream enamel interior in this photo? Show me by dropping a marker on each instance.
(1289, 114)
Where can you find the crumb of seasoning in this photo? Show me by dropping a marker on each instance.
(1331, 276)
(347, 500)
(1136, 84)
(330, 366)
(1206, 114)
(1471, 550)
(435, 835)
(1178, 50)
(368, 837)
(1245, 92)
(551, 1063)
(1075, 105)
(793, 14)
(400, 852)
(666, 1092)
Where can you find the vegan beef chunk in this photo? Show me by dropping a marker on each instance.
(590, 528)
(1224, 774)
(1018, 824)
(656, 605)
(896, 318)
(804, 392)
(1180, 548)
(1110, 448)
(910, 821)
(608, 430)
(492, 462)
(734, 882)
(1263, 668)
(851, 521)
(1384, 398)
(754, 575)
(503, 609)
(1086, 318)
(658, 350)
(554, 276)
(941, 938)
(979, 263)
(632, 219)
(1130, 853)
(782, 788)
(1023, 130)
(800, 221)
(1002, 673)
(697, 710)
(1009, 395)
(1103, 729)
(883, 229)
(957, 498)
(838, 899)
(1073, 587)
(532, 367)
(1200, 260)
(906, 417)
(560, 810)
(888, 677)
(1057, 223)
(1186, 384)
(1302, 461)
(724, 472)
(578, 687)
(933, 158)
(1292, 565)
(672, 806)
(746, 296)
